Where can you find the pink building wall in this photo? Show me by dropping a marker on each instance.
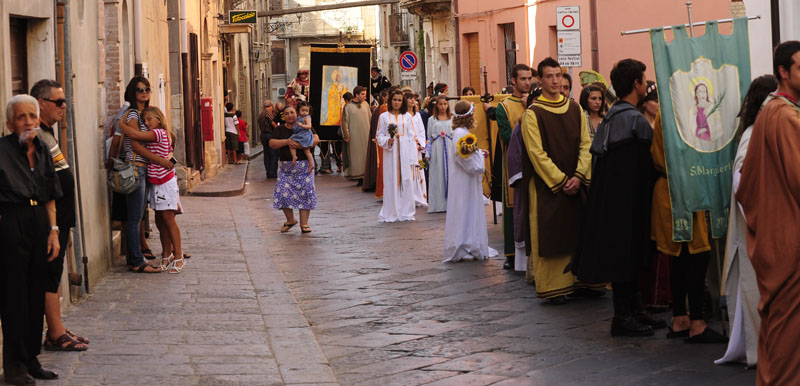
(614, 16)
(484, 17)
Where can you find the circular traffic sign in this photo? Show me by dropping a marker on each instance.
(568, 21)
(408, 61)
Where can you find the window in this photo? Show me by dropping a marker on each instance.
(278, 60)
(510, 49)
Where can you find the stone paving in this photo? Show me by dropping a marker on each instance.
(352, 303)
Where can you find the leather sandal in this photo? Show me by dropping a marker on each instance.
(64, 342)
(77, 337)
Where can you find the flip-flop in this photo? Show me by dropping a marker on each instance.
(143, 269)
(672, 334)
(707, 336)
(287, 226)
(305, 229)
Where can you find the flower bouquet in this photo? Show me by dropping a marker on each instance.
(422, 163)
(467, 145)
(392, 129)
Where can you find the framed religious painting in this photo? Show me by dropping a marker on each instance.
(335, 70)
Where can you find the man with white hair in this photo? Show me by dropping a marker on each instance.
(29, 236)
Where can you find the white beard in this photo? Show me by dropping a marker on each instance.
(28, 135)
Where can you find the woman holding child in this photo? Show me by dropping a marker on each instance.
(295, 186)
(135, 136)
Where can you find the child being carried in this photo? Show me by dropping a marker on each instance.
(303, 134)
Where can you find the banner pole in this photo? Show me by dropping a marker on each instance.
(488, 98)
(668, 27)
(691, 25)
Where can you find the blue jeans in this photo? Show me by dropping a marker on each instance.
(135, 202)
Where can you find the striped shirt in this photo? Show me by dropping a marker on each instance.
(126, 142)
(47, 135)
(157, 174)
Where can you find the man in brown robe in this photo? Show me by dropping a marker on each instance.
(355, 131)
(769, 193)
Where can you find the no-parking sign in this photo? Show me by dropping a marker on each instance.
(408, 61)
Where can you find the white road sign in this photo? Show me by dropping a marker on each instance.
(408, 75)
(569, 42)
(569, 60)
(568, 18)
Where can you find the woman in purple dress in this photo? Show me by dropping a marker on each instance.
(295, 186)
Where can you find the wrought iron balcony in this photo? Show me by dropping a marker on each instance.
(398, 28)
(427, 7)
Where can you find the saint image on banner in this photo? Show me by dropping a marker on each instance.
(706, 102)
(336, 80)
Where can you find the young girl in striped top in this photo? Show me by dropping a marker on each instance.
(162, 191)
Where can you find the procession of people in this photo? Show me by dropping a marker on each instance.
(585, 203)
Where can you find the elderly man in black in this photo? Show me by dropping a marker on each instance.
(29, 236)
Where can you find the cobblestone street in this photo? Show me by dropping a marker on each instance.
(353, 303)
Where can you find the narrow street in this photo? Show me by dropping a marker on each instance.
(352, 303)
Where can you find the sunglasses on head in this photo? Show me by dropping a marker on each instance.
(142, 90)
(58, 102)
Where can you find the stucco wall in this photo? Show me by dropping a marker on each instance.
(483, 17)
(88, 64)
(614, 16)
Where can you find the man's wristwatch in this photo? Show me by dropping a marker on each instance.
(54, 228)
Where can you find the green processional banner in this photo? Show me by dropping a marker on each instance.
(701, 83)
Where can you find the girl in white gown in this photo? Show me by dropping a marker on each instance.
(420, 187)
(399, 161)
(440, 146)
(465, 233)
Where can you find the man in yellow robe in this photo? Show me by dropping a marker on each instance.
(557, 173)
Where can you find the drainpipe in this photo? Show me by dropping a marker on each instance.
(454, 6)
(137, 36)
(74, 164)
(593, 29)
(184, 34)
(775, 15)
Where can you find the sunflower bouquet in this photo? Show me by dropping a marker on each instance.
(467, 145)
(392, 129)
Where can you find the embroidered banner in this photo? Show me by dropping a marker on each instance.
(701, 83)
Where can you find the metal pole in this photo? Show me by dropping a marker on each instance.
(489, 139)
(691, 25)
(668, 27)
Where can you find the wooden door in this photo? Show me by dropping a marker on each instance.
(474, 65)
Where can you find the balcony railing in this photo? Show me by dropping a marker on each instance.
(426, 7)
(398, 28)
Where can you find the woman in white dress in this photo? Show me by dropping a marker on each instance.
(420, 188)
(397, 138)
(465, 233)
(440, 147)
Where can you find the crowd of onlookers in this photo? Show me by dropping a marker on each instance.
(37, 211)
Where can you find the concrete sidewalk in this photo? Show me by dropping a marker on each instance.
(230, 181)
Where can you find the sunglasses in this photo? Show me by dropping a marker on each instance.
(141, 90)
(58, 102)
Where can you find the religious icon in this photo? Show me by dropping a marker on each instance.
(705, 113)
(336, 81)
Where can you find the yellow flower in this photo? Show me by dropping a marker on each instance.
(467, 145)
